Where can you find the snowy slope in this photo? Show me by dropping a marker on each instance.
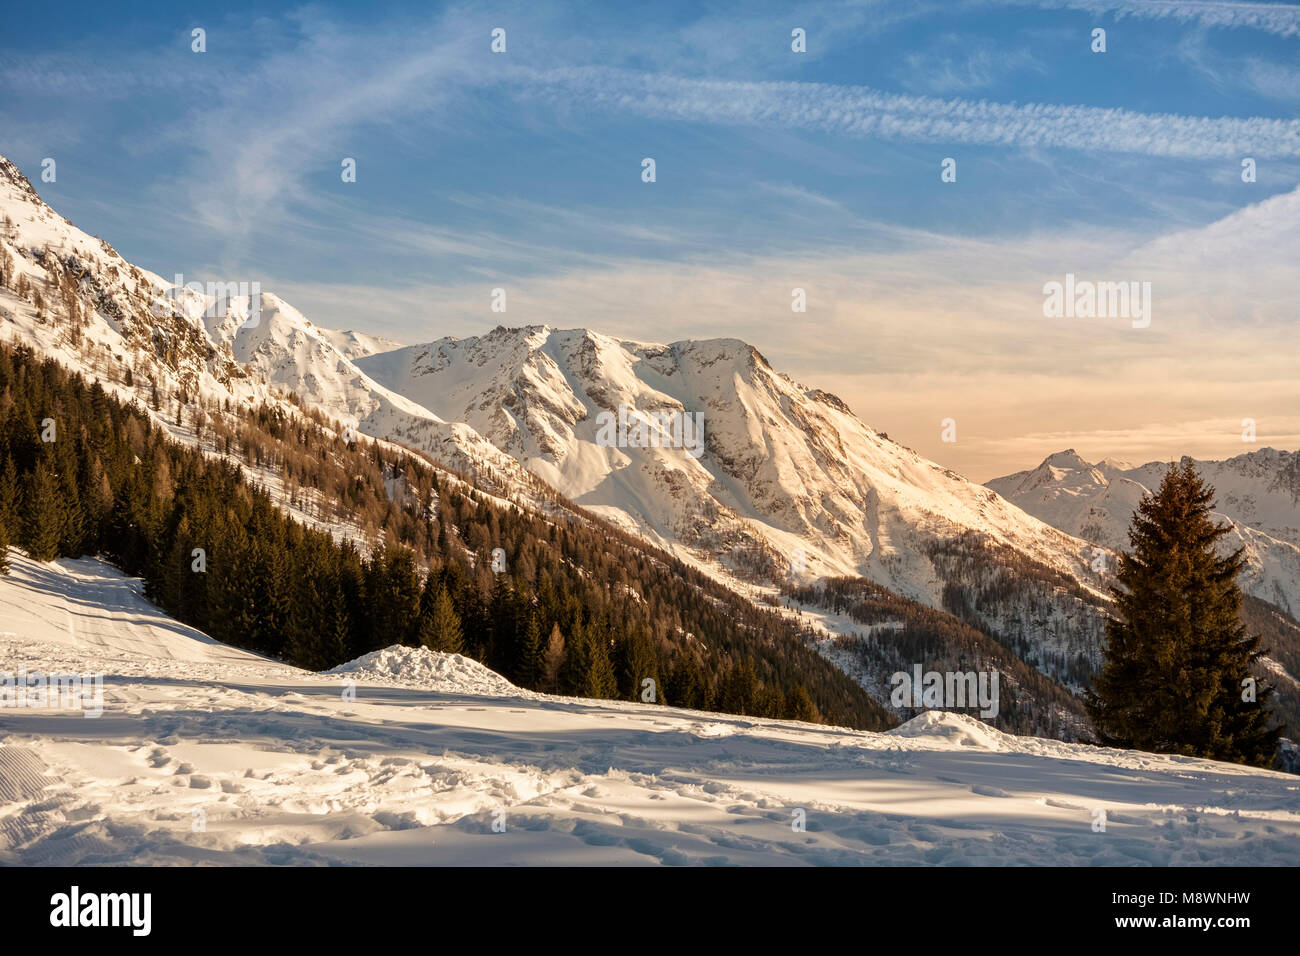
(203, 758)
(104, 317)
(86, 606)
(784, 467)
(353, 344)
(97, 311)
(1258, 497)
(286, 349)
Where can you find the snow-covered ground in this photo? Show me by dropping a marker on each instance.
(206, 754)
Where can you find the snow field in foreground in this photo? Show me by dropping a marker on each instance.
(207, 754)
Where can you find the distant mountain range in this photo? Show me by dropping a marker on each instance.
(1258, 496)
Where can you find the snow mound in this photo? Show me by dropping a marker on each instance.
(959, 729)
(428, 670)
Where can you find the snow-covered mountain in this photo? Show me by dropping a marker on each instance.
(772, 483)
(1258, 496)
(778, 467)
(286, 349)
(136, 332)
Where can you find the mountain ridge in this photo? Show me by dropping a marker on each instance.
(1257, 493)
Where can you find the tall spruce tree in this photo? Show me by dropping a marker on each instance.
(1177, 676)
(576, 669)
(799, 706)
(393, 597)
(4, 544)
(502, 612)
(636, 663)
(306, 645)
(739, 689)
(601, 683)
(42, 510)
(439, 624)
(528, 663)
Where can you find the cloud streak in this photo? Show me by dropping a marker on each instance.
(860, 111)
(1278, 19)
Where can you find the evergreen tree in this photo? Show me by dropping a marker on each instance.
(440, 625)
(1177, 653)
(165, 582)
(529, 664)
(235, 614)
(769, 702)
(305, 646)
(477, 630)
(42, 514)
(4, 547)
(799, 706)
(336, 636)
(97, 500)
(687, 686)
(601, 682)
(345, 610)
(502, 611)
(272, 593)
(575, 672)
(73, 535)
(739, 690)
(637, 663)
(393, 598)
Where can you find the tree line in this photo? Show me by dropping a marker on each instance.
(574, 607)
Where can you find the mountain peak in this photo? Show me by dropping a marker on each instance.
(1116, 464)
(1066, 459)
(10, 173)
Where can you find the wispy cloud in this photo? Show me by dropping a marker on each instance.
(1273, 80)
(257, 142)
(959, 63)
(1279, 19)
(864, 112)
(1255, 75)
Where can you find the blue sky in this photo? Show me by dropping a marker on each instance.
(774, 170)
